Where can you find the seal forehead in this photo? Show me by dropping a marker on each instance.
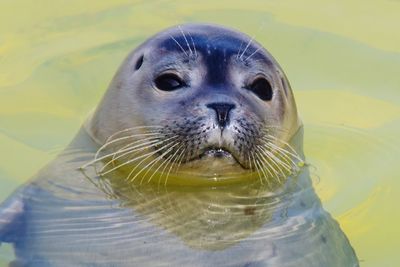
(216, 48)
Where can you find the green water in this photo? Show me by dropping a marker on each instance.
(342, 59)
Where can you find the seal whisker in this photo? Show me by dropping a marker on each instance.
(134, 159)
(96, 157)
(125, 148)
(113, 141)
(144, 158)
(280, 163)
(257, 167)
(277, 163)
(252, 54)
(270, 156)
(150, 163)
(292, 151)
(285, 143)
(114, 154)
(282, 152)
(262, 169)
(134, 144)
(194, 46)
(152, 127)
(251, 40)
(273, 156)
(287, 159)
(178, 162)
(183, 50)
(240, 49)
(110, 142)
(266, 162)
(247, 46)
(131, 150)
(187, 43)
(180, 159)
(261, 178)
(135, 128)
(170, 162)
(157, 160)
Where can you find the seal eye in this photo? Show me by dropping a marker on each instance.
(262, 88)
(169, 82)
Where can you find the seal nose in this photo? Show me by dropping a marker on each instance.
(222, 110)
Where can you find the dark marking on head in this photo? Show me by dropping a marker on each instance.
(139, 62)
(323, 239)
(216, 50)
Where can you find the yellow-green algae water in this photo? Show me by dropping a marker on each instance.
(341, 57)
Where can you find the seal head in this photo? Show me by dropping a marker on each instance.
(197, 94)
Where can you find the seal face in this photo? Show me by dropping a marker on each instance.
(199, 93)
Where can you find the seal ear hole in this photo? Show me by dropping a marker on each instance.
(262, 88)
(139, 62)
(169, 82)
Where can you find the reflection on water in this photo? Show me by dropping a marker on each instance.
(79, 219)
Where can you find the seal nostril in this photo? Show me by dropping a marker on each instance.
(222, 111)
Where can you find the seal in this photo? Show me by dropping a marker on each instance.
(192, 158)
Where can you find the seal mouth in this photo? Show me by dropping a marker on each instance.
(217, 153)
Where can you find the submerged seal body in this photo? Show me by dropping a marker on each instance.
(194, 103)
